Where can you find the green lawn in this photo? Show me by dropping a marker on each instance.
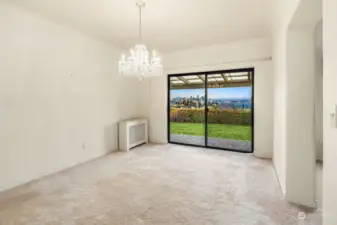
(234, 132)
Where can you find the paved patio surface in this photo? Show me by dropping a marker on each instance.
(212, 142)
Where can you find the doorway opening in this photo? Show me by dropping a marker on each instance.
(212, 109)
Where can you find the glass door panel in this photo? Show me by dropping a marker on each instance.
(187, 109)
(229, 114)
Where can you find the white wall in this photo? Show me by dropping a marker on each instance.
(230, 56)
(300, 98)
(58, 90)
(284, 10)
(294, 71)
(330, 98)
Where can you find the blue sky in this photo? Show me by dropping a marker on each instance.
(236, 92)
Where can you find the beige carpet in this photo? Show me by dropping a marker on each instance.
(154, 185)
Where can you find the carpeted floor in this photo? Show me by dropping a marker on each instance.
(155, 185)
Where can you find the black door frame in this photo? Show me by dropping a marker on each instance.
(251, 69)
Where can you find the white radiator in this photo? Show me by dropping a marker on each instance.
(132, 133)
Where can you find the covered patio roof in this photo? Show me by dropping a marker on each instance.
(237, 79)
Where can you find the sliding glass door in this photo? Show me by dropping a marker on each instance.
(229, 114)
(212, 109)
(187, 109)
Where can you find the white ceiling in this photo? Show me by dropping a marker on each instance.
(168, 25)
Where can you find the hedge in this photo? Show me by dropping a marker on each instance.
(219, 116)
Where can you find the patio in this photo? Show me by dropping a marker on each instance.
(244, 146)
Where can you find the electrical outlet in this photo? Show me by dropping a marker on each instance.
(301, 216)
(83, 145)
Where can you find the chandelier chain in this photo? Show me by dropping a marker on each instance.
(140, 23)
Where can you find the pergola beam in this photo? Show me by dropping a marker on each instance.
(201, 78)
(224, 77)
(221, 85)
(183, 79)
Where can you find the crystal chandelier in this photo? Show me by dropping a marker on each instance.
(138, 63)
